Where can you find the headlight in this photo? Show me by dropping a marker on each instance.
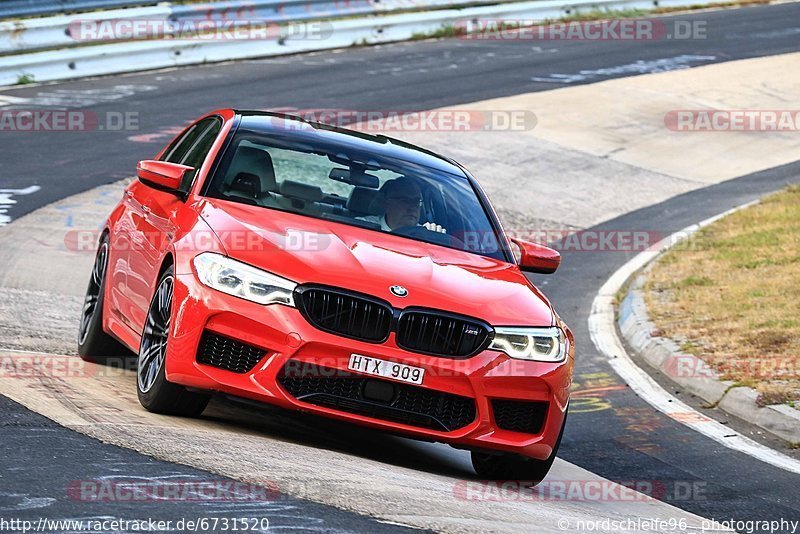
(537, 344)
(241, 280)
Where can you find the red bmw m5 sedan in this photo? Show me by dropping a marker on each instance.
(347, 275)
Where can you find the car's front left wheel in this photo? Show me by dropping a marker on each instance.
(155, 393)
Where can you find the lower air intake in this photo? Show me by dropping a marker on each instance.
(227, 353)
(519, 416)
(377, 398)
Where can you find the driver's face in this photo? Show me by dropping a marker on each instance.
(402, 208)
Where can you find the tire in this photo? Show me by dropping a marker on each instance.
(94, 344)
(155, 393)
(506, 466)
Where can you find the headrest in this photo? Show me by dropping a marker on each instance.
(301, 191)
(253, 161)
(362, 200)
(246, 184)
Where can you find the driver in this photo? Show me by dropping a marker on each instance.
(401, 202)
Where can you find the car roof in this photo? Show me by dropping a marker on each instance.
(310, 131)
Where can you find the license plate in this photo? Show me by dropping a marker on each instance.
(392, 370)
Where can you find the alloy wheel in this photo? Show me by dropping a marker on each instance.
(153, 349)
(93, 292)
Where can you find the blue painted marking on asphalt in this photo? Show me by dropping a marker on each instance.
(626, 308)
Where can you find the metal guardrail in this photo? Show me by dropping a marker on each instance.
(30, 35)
(32, 8)
(53, 32)
(279, 10)
(113, 58)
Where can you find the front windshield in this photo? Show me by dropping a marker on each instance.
(338, 183)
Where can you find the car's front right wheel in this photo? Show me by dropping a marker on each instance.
(155, 393)
(507, 466)
(94, 344)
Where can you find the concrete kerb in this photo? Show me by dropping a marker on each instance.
(664, 354)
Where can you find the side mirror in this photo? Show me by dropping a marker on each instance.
(537, 258)
(162, 174)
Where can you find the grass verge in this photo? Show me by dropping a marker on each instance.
(731, 296)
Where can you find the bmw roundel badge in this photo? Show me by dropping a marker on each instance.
(399, 291)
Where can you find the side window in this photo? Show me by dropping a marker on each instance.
(178, 149)
(198, 151)
(191, 149)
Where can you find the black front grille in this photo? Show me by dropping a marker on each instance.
(346, 314)
(369, 319)
(441, 334)
(226, 353)
(519, 416)
(410, 405)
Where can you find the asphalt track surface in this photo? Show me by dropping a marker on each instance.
(44, 465)
(614, 433)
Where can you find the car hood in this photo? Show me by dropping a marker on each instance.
(309, 250)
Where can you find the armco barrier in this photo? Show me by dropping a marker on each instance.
(32, 8)
(102, 59)
(54, 32)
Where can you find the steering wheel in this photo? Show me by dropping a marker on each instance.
(429, 235)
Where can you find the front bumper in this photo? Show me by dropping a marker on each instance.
(286, 336)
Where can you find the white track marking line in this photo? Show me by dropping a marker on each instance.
(6, 200)
(639, 66)
(603, 332)
(27, 191)
(8, 100)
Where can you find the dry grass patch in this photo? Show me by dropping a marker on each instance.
(731, 296)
